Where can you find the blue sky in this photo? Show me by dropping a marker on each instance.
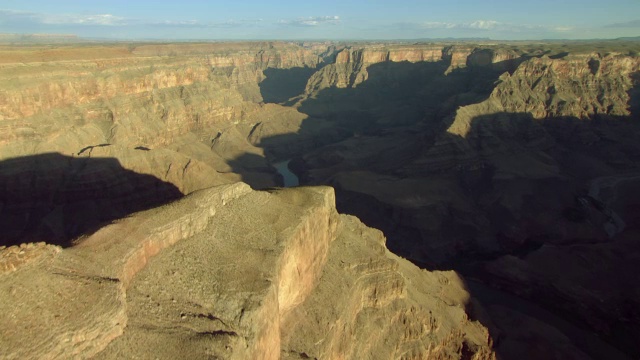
(327, 19)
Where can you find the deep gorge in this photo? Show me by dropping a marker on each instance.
(417, 129)
(473, 158)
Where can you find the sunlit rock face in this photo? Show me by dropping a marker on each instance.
(510, 163)
(233, 273)
(193, 103)
(90, 134)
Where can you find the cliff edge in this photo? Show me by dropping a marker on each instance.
(232, 273)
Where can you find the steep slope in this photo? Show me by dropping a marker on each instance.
(179, 113)
(501, 121)
(169, 283)
(461, 163)
(494, 160)
(149, 96)
(371, 303)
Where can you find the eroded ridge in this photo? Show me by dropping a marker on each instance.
(71, 303)
(233, 273)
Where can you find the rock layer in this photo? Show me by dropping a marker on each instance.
(465, 156)
(491, 158)
(169, 283)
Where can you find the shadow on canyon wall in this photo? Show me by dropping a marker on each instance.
(543, 166)
(255, 171)
(550, 160)
(394, 95)
(56, 198)
(404, 108)
(280, 85)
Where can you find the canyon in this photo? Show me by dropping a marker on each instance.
(143, 212)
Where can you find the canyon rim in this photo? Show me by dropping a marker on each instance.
(473, 200)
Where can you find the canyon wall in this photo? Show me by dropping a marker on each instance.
(461, 165)
(179, 114)
(190, 115)
(479, 158)
(232, 273)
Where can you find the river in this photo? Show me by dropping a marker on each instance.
(290, 179)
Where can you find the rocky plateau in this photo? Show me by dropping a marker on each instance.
(458, 201)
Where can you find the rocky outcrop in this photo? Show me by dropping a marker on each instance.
(194, 278)
(503, 117)
(110, 72)
(82, 127)
(369, 301)
(460, 154)
(494, 159)
(580, 86)
(183, 101)
(190, 115)
(80, 293)
(350, 67)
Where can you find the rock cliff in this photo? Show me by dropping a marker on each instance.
(461, 162)
(232, 273)
(191, 101)
(494, 160)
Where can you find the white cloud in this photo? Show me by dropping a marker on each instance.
(436, 25)
(490, 25)
(312, 21)
(30, 18)
(12, 16)
(178, 23)
(99, 19)
(483, 24)
(198, 24)
(563, 28)
(478, 25)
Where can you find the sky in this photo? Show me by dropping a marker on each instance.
(326, 19)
